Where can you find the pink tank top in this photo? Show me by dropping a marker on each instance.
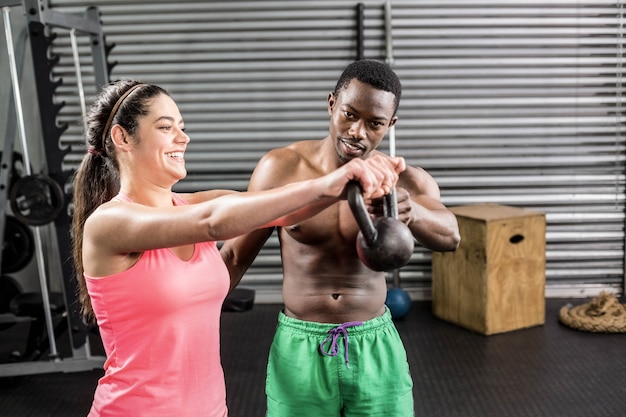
(159, 323)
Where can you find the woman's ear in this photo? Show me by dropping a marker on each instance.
(119, 136)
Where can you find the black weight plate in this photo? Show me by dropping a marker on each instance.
(17, 168)
(18, 246)
(36, 200)
(8, 290)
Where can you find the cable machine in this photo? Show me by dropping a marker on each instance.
(39, 199)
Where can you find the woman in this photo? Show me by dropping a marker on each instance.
(147, 263)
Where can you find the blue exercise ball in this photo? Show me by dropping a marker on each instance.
(399, 303)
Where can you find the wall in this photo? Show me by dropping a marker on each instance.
(517, 103)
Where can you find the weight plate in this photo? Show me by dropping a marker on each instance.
(17, 168)
(18, 246)
(8, 290)
(36, 200)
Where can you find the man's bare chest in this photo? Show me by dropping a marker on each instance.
(334, 225)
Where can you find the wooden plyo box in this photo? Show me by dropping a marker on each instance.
(495, 281)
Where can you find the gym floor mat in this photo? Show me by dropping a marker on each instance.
(543, 371)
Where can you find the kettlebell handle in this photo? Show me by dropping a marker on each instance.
(362, 217)
(391, 204)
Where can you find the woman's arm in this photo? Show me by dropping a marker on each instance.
(120, 227)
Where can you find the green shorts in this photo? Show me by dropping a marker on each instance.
(310, 372)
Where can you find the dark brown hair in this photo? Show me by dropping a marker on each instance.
(96, 180)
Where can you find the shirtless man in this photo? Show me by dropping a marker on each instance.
(336, 351)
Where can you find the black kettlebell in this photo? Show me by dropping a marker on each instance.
(383, 243)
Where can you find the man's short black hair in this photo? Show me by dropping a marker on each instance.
(377, 74)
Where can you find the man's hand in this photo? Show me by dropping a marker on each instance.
(376, 206)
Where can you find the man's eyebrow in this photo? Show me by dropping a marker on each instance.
(352, 109)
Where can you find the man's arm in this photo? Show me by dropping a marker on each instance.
(274, 169)
(239, 253)
(419, 206)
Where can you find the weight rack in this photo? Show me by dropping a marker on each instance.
(40, 20)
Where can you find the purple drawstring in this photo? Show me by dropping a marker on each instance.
(333, 335)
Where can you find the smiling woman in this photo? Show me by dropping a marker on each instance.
(146, 258)
(162, 149)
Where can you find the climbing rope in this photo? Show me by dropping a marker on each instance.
(603, 314)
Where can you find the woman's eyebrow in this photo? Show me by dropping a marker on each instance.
(168, 118)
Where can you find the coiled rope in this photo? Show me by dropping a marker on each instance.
(603, 314)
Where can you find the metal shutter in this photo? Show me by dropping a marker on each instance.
(509, 102)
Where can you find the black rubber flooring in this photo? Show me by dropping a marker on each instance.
(543, 371)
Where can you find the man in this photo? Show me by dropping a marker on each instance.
(336, 351)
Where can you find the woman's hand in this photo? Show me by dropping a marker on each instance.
(377, 175)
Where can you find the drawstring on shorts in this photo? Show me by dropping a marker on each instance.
(333, 336)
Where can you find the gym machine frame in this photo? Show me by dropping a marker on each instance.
(39, 19)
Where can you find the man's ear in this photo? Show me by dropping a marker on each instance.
(393, 121)
(119, 137)
(331, 102)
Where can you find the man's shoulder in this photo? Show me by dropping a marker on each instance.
(292, 152)
(417, 180)
(280, 166)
